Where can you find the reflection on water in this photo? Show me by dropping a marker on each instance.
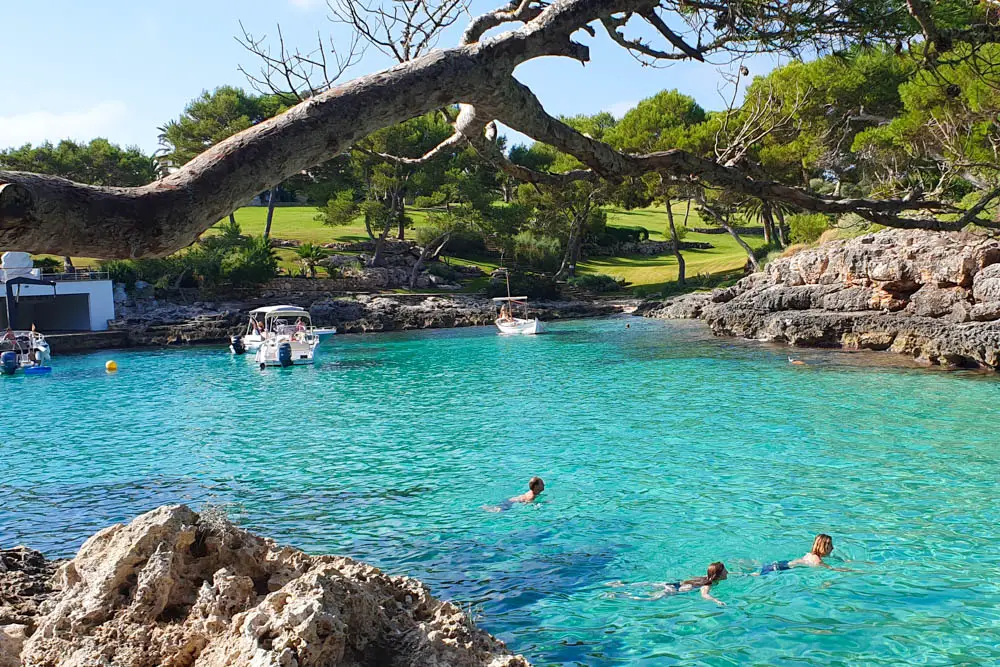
(662, 448)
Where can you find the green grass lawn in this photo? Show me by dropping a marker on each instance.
(648, 273)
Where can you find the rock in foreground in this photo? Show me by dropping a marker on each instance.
(174, 588)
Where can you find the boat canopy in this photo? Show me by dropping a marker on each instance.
(280, 310)
(510, 298)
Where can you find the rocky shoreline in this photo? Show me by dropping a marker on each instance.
(932, 296)
(179, 589)
(158, 322)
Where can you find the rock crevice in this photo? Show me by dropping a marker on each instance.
(933, 296)
(179, 589)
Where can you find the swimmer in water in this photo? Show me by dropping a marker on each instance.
(535, 488)
(716, 572)
(796, 362)
(821, 548)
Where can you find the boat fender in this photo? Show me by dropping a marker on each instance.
(8, 363)
(285, 355)
(111, 366)
(236, 345)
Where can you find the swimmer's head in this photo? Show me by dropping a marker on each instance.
(822, 545)
(536, 485)
(717, 572)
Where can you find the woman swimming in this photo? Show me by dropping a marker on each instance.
(716, 572)
(821, 548)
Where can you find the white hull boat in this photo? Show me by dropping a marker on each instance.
(517, 325)
(271, 326)
(284, 351)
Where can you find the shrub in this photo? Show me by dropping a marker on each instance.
(47, 264)
(253, 264)
(120, 271)
(531, 285)
(597, 282)
(441, 270)
(807, 227)
(540, 252)
(613, 235)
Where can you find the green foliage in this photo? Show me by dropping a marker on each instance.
(657, 123)
(311, 255)
(807, 227)
(250, 261)
(537, 251)
(47, 264)
(253, 264)
(615, 235)
(342, 209)
(523, 283)
(597, 282)
(212, 117)
(97, 163)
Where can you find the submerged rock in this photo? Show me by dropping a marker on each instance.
(177, 589)
(932, 295)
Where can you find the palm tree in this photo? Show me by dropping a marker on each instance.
(310, 255)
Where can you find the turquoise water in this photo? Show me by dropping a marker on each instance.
(662, 449)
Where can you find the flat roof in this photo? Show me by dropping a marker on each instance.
(277, 309)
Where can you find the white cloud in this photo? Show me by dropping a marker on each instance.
(35, 127)
(618, 109)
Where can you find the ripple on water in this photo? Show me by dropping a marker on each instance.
(662, 448)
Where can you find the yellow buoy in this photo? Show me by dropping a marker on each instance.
(111, 366)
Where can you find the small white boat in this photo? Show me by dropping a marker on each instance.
(24, 350)
(263, 323)
(286, 343)
(508, 323)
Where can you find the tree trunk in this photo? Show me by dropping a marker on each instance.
(377, 259)
(272, 195)
(781, 228)
(232, 218)
(400, 206)
(433, 248)
(768, 220)
(676, 242)
(568, 266)
(687, 212)
(68, 265)
(751, 258)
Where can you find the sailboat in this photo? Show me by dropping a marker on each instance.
(507, 322)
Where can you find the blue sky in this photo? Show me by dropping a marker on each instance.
(121, 68)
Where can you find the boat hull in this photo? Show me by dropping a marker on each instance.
(303, 353)
(520, 326)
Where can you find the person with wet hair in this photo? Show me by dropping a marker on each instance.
(716, 572)
(535, 488)
(821, 548)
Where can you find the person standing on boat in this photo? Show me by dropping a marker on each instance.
(535, 488)
(300, 325)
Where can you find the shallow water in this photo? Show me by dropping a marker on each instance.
(662, 449)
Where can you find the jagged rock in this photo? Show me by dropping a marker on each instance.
(25, 581)
(177, 589)
(935, 296)
(684, 307)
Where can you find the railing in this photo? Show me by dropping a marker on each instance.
(77, 275)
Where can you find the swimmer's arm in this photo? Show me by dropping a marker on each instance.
(706, 592)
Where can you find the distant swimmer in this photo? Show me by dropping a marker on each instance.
(716, 572)
(821, 548)
(535, 488)
(796, 362)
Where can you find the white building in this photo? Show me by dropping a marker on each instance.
(78, 302)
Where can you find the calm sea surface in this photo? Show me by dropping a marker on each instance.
(662, 449)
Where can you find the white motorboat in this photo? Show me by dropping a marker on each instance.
(265, 321)
(286, 342)
(24, 350)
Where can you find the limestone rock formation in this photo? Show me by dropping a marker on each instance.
(934, 296)
(177, 589)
